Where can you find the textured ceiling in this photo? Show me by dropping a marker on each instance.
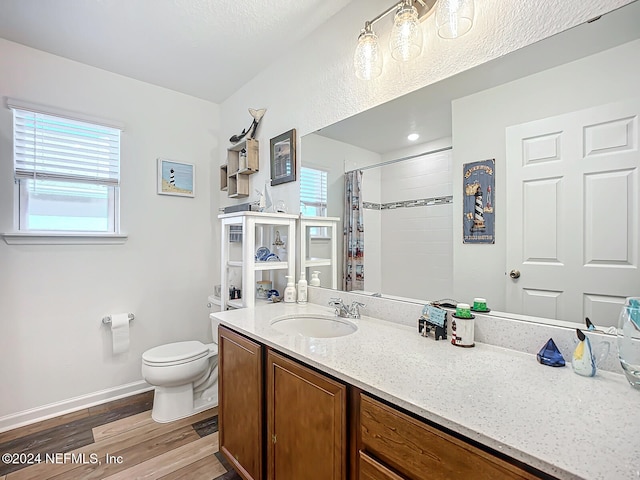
(204, 48)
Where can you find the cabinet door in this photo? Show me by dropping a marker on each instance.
(240, 409)
(306, 414)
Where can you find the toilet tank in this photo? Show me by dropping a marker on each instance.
(214, 306)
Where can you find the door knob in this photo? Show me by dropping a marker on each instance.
(514, 274)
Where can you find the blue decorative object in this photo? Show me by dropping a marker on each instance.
(262, 253)
(550, 355)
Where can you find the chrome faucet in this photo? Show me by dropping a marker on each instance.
(341, 308)
(346, 312)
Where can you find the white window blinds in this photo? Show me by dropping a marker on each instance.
(313, 191)
(49, 147)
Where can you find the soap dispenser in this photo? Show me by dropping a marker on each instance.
(302, 288)
(290, 291)
(315, 279)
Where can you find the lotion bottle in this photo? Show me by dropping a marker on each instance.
(302, 289)
(290, 291)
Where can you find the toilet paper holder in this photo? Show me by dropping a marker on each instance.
(107, 320)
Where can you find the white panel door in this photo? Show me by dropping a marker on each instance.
(573, 215)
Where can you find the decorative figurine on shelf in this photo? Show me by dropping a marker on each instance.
(280, 248)
(251, 131)
(265, 204)
(278, 241)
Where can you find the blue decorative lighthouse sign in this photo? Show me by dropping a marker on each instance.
(478, 200)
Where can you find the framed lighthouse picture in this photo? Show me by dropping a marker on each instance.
(478, 188)
(176, 178)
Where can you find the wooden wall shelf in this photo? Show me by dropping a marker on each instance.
(242, 161)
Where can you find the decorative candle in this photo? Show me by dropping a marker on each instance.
(480, 304)
(463, 310)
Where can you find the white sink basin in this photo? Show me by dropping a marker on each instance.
(314, 325)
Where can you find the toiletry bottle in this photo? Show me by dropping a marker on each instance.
(315, 279)
(302, 289)
(290, 291)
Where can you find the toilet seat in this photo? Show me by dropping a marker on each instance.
(175, 353)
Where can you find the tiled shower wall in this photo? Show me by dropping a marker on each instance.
(415, 223)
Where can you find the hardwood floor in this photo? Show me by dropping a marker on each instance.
(117, 440)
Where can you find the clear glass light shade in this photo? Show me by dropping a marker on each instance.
(367, 60)
(454, 18)
(406, 36)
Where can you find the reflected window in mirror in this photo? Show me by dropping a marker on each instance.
(313, 197)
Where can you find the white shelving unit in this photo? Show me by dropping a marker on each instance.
(258, 229)
(307, 261)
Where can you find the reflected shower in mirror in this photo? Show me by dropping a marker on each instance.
(412, 199)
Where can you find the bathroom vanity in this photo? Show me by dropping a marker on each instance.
(386, 403)
(304, 408)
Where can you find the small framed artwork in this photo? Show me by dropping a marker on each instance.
(176, 178)
(283, 158)
(479, 189)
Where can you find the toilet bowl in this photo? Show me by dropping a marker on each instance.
(185, 377)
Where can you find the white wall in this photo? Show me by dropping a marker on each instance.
(53, 297)
(479, 134)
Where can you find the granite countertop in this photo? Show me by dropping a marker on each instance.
(550, 418)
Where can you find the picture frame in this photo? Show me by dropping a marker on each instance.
(176, 178)
(283, 158)
(479, 190)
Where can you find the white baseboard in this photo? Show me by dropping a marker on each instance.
(51, 410)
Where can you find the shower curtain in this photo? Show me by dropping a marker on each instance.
(353, 273)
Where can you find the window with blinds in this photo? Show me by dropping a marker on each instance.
(67, 172)
(313, 196)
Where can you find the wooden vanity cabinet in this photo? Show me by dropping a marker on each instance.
(282, 420)
(396, 446)
(241, 400)
(305, 434)
(306, 418)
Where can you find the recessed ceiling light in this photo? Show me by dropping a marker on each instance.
(413, 137)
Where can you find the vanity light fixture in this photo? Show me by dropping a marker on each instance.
(412, 137)
(406, 36)
(368, 57)
(454, 18)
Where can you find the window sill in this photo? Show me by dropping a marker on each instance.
(319, 239)
(46, 238)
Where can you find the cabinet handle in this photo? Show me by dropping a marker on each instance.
(273, 438)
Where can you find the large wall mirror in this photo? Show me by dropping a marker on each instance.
(560, 119)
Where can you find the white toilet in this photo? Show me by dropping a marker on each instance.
(185, 375)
